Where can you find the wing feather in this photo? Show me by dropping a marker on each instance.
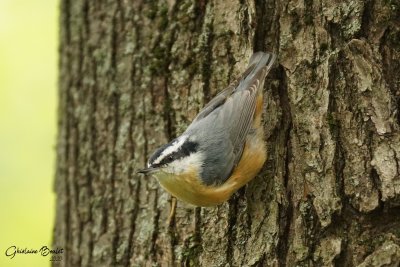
(228, 118)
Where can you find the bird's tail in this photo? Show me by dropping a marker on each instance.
(259, 65)
(260, 60)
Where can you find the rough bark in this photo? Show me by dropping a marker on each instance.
(134, 73)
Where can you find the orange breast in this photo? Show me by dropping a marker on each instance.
(253, 158)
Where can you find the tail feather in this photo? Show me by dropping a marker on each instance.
(259, 65)
(261, 60)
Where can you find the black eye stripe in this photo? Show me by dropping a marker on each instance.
(189, 147)
(185, 150)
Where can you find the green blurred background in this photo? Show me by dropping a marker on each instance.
(28, 91)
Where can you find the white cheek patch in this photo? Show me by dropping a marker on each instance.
(193, 161)
(171, 149)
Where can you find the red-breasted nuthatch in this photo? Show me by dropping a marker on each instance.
(223, 148)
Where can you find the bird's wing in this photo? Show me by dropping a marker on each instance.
(231, 113)
(238, 111)
(217, 101)
(220, 98)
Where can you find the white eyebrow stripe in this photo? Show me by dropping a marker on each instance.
(173, 148)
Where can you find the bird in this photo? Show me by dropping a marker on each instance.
(223, 148)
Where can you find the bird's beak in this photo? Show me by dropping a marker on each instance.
(147, 170)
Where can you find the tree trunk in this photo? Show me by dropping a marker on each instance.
(133, 74)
